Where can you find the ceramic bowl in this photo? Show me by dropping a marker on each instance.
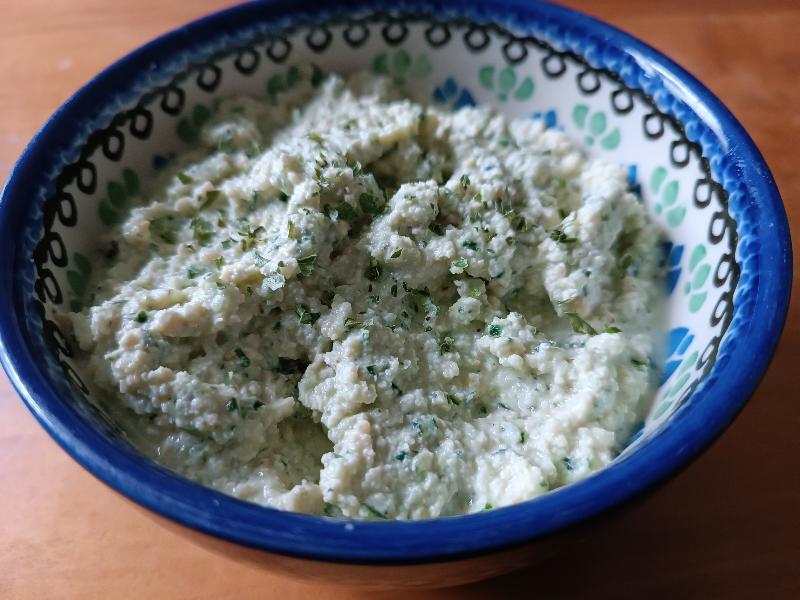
(728, 259)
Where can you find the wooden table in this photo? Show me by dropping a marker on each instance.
(729, 526)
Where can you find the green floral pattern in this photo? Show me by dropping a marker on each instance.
(188, 128)
(699, 271)
(504, 83)
(114, 207)
(282, 82)
(78, 280)
(668, 204)
(596, 128)
(401, 67)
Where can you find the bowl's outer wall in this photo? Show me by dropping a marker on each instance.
(735, 375)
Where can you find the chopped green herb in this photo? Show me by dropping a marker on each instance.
(202, 230)
(211, 196)
(244, 361)
(304, 313)
(579, 325)
(371, 204)
(307, 264)
(436, 228)
(374, 270)
(260, 260)
(559, 236)
(315, 137)
(371, 369)
(374, 511)
(469, 244)
(141, 316)
(521, 437)
(401, 455)
(569, 465)
(293, 233)
(488, 506)
(464, 181)
(461, 263)
(612, 329)
(226, 244)
(274, 281)
(232, 405)
(161, 228)
(446, 344)
(350, 324)
(495, 330)
(397, 253)
(452, 399)
(346, 212)
(191, 272)
(184, 178)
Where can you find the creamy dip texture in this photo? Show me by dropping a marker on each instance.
(346, 303)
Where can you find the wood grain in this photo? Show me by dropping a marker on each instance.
(729, 526)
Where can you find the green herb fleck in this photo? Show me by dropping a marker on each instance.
(464, 181)
(211, 196)
(371, 204)
(244, 361)
(232, 405)
(292, 233)
(350, 324)
(141, 316)
(446, 344)
(374, 511)
(612, 329)
(184, 178)
(304, 313)
(471, 245)
(397, 253)
(452, 399)
(436, 228)
(346, 212)
(495, 330)
(191, 272)
(374, 270)
(461, 263)
(559, 236)
(579, 325)
(307, 264)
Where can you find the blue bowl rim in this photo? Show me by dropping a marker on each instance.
(319, 538)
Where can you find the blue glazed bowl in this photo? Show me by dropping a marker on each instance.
(695, 168)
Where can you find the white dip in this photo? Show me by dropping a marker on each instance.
(346, 303)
